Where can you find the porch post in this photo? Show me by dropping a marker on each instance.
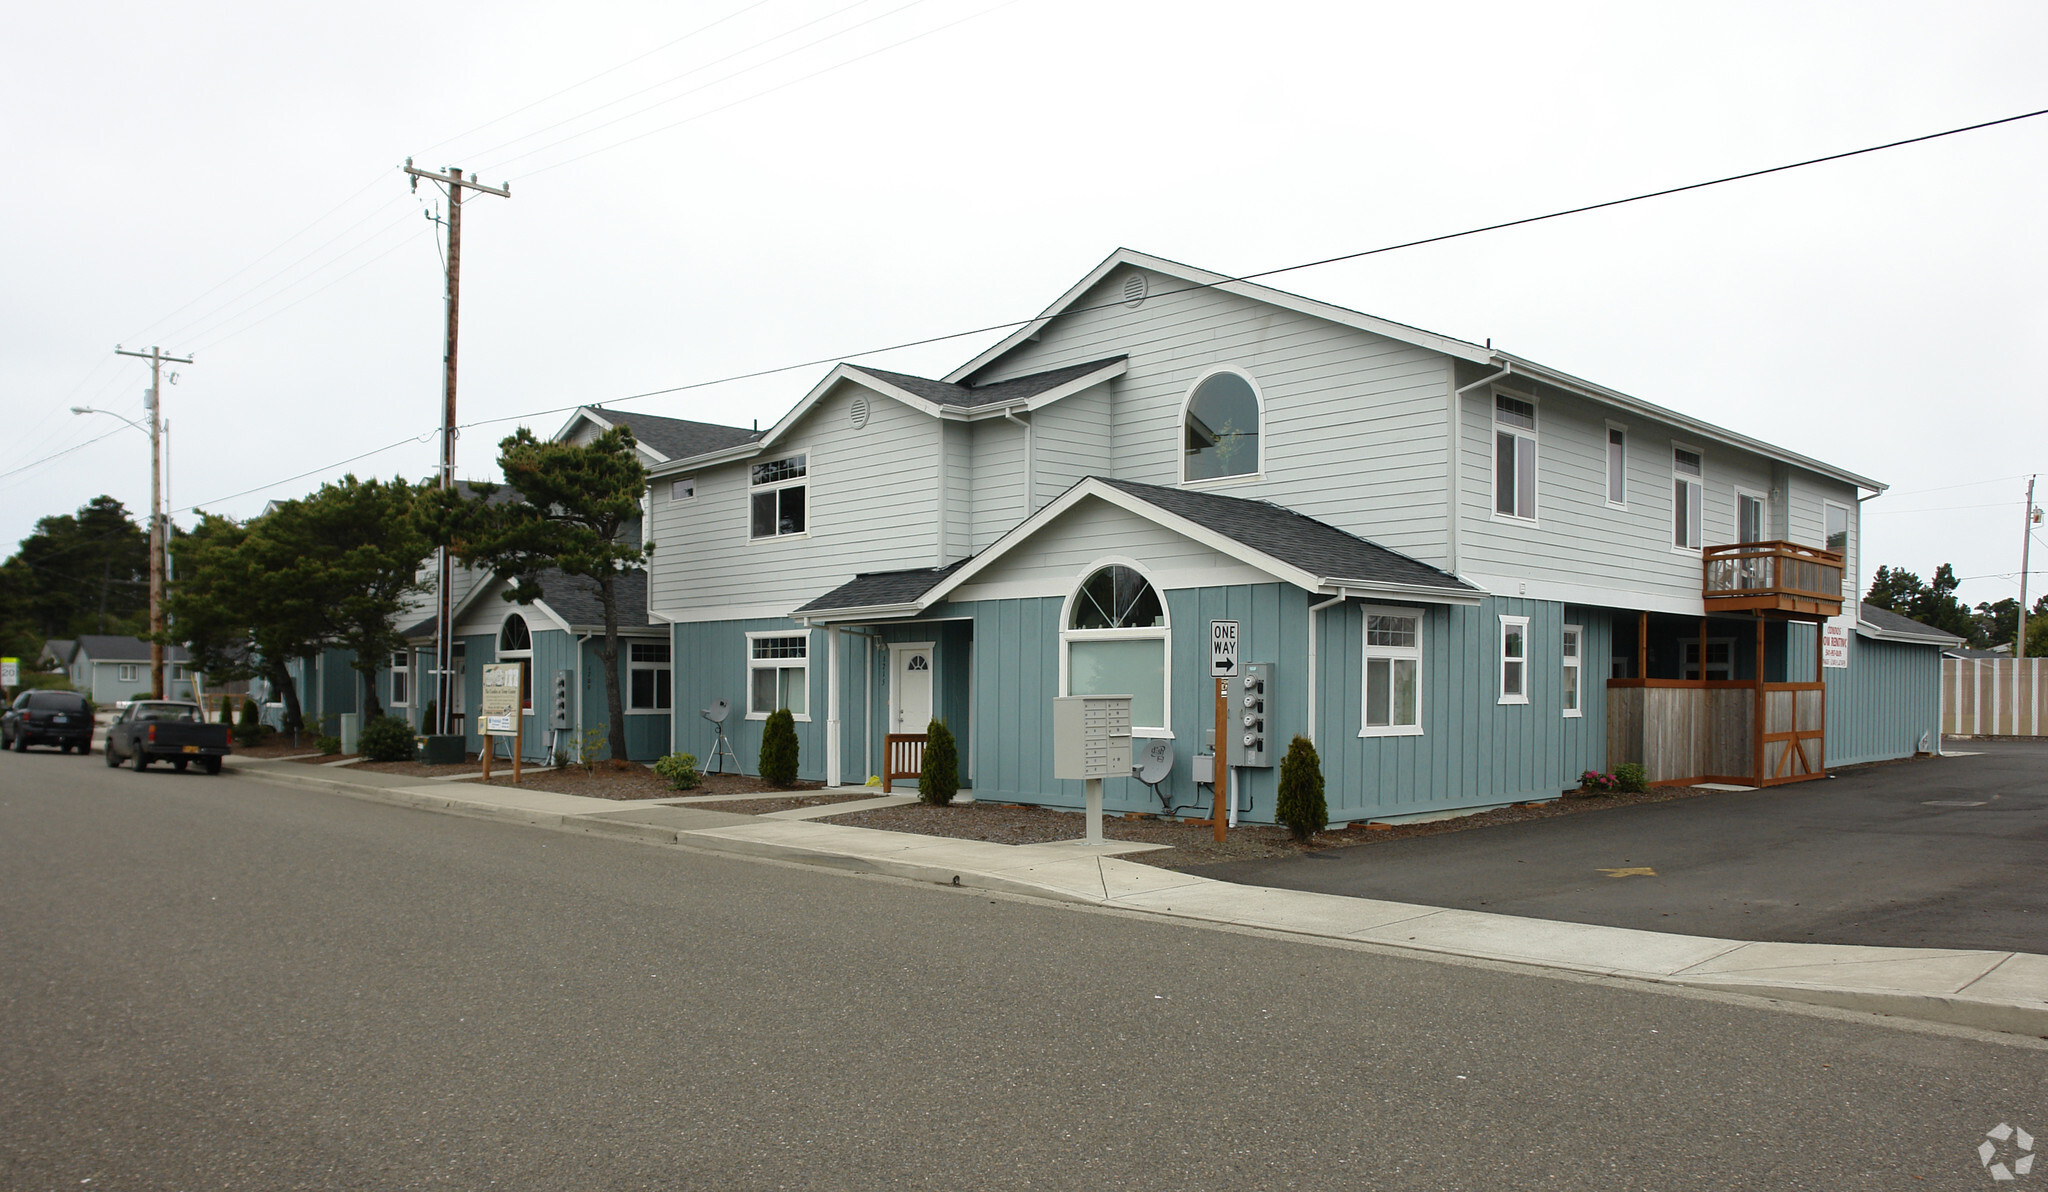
(832, 743)
(1643, 645)
(1703, 654)
(1758, 735)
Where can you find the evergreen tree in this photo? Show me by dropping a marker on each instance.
(939, 778)
(1300, 803)
(779, 749)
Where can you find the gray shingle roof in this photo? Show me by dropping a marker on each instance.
(678, 438)
(1316, 547)
(1891, 622)
(880, 589)
(1001, 393)
(108, 647)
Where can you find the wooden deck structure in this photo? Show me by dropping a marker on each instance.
(1772, 577)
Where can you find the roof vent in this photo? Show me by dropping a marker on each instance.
(1134, 290)
(858, 415)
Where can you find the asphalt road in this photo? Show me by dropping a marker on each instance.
(1941, 853)
(212, 983)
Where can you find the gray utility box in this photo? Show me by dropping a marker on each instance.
(1251, 744)
(1091, 736)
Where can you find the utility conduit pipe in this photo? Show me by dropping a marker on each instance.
(1341, 596)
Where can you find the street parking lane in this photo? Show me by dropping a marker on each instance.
(1936, 853)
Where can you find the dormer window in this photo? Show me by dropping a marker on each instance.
(778, 496)
(1221, 428)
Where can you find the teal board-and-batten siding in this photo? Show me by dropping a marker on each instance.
(1881, 704)
(710, 663)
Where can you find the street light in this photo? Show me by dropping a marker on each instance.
(159, 540)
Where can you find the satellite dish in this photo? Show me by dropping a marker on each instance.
(718, 711)
(1154, 762)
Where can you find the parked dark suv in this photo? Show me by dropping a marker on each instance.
(60, 718)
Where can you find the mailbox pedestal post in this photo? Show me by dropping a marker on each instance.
(1094, 812)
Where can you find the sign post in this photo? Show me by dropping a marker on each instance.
(501, 712)
(1223, 668)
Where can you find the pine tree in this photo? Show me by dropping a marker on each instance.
(1300, 803)
(939, 779)
(779, 749)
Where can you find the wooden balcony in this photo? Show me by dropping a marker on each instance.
(1773, 577)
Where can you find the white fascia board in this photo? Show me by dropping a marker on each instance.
(782, 427)
(1400, 593)
(1706, 430)
(846, 616)
(708, 459)
(1080, 384)
(597, 631)
(591, 414)
(1244, 289)
(1932, 637)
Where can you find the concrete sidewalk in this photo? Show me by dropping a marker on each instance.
(1988, 990)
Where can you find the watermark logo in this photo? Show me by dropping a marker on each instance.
(2002, 1143)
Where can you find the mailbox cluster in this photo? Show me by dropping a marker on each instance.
(1248, 745)
(1091, 736)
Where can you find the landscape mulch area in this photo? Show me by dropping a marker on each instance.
(1193, 845)
(277, 747)
(631, 781)
(763, 806)
(417, 770)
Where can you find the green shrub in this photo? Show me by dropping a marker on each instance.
(328, 744)
(429, 722)
(680, 769)
(1632, 778)
(779, 749)
(386, 739)
(227, 712)
(251, 715)
(1299, 804)
(592, 744)
(250, 736)
(939, 780)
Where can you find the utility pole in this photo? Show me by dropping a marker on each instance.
(2019, 638)
(157, 537)
(444, 631)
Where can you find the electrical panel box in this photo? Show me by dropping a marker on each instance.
(1091, 736)
(558, 706)
(1250, 742)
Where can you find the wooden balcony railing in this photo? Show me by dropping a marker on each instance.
(1780, 577)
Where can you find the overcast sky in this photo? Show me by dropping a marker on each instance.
(706, 189)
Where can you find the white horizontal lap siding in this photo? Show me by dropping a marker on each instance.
(870, 506)
(997, 449)
(960, 485)
(1354, 423)
(1053, 561)
(1073, 441)
(1579, 539)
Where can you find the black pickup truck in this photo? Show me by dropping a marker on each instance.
(166, 731)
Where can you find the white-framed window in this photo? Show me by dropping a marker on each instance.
(1720, 658)
(648, 688)
(778, 674)
(1569, 659)
(401, 679)
(777, 495)
(1749, 515)
(1837, 529)
(1514, 457)
(177, 673)
(1686, 474)
(128, 672)
(515, 644)
(1617, 465)
(683, 489)
(1514, 660)
(1393, 673)
(1115, 640)
(1220, 427)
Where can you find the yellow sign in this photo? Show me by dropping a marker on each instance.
(1638, 871)
(501, 698)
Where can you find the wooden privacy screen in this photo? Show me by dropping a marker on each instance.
(1684, 731)
(1994, 697)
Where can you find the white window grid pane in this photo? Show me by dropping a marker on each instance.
(1511, 677)
(1382, 630)
(781, 647)
(1512, 411)
(776, 471)
(1685, 463)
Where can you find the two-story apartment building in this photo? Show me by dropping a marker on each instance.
(1474, 576)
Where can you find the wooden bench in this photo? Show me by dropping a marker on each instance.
(902, 757)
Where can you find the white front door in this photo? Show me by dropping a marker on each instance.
(910, 686)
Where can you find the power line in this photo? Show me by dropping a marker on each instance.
(220, 339)
(1013, 324)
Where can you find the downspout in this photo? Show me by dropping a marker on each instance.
(1455, 441)
(1030, 464)
(1341, 596)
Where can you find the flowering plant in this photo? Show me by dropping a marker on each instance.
(1593, 782)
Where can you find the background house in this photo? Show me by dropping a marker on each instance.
(109, 668)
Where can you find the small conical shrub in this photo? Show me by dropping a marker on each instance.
(251, 714)
(939, 780)
(226, 711)
(779, 749)
(430, 721)
(1300, 802)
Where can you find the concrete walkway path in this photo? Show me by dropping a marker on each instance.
(1988, 990)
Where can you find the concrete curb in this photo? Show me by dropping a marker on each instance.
(1091, 879)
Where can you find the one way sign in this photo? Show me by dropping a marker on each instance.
(1223, 649)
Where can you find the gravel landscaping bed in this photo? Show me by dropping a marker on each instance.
(784, 803)
(417, 769)
(1194, 845)
(629, 781)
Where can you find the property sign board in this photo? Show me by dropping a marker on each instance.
(1834, 643)
(10, 671)
(1223, 649)
(501, 698)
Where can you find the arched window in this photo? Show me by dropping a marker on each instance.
(1115, 641)
(515, 644)
(1220, 432)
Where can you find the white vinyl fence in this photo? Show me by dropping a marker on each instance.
(1994, 697)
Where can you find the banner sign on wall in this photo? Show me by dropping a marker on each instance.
(1834, 643)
